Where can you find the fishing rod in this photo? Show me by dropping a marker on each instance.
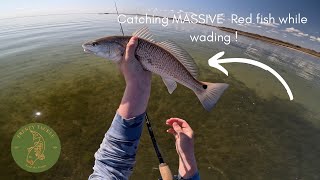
(163, 167)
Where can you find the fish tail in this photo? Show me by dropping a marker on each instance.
(210, 94)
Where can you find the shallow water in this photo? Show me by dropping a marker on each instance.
(254, 132)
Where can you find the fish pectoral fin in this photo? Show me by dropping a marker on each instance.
(182, 55)
(144, 33)
(171, 84)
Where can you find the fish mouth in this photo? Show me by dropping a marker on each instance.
(86, 50)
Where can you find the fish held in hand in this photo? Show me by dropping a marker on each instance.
(165, 58)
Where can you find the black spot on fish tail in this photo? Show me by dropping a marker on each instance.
(204, 86)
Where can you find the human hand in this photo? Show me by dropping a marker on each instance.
(184, 145)
(131, 68)
(138, 83)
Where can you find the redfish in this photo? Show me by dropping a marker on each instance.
(166, 59)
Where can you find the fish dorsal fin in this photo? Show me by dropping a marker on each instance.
(182, 55)
(144, 33)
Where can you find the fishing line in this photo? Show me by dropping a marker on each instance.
(164, 169)
(115, 4)
(153, 139)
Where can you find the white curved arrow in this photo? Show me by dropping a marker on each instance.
(215, 62)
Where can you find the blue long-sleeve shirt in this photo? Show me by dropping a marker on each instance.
(115, 158)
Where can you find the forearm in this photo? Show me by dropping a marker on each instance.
(135, 99)
(187, 166)
(116, 156)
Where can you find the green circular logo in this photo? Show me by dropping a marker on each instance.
(35, 147)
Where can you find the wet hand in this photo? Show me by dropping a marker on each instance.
(138, 83)
(184, 137)
(131, 68)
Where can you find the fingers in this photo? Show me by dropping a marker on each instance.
(171, 131)
(181, 122)
(131, 47)
(176, 127)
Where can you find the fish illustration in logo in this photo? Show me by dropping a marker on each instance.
(36, 152)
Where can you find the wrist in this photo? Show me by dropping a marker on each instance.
(135, 99)
(187, 166)
(139, 84)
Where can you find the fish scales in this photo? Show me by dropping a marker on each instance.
(165, 58)
(158, 60)
(162, 62)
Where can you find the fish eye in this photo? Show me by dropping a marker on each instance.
(94, 44)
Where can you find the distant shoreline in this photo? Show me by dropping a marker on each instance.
(272, 41)
(248, 34)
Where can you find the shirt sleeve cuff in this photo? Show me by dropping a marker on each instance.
(196, 176)
(127, 129)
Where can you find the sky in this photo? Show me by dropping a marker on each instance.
(306, 35)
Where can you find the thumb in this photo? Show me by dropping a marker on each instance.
(176, 127)
(131, 47)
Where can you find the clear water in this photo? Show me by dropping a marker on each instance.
(254, 132)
